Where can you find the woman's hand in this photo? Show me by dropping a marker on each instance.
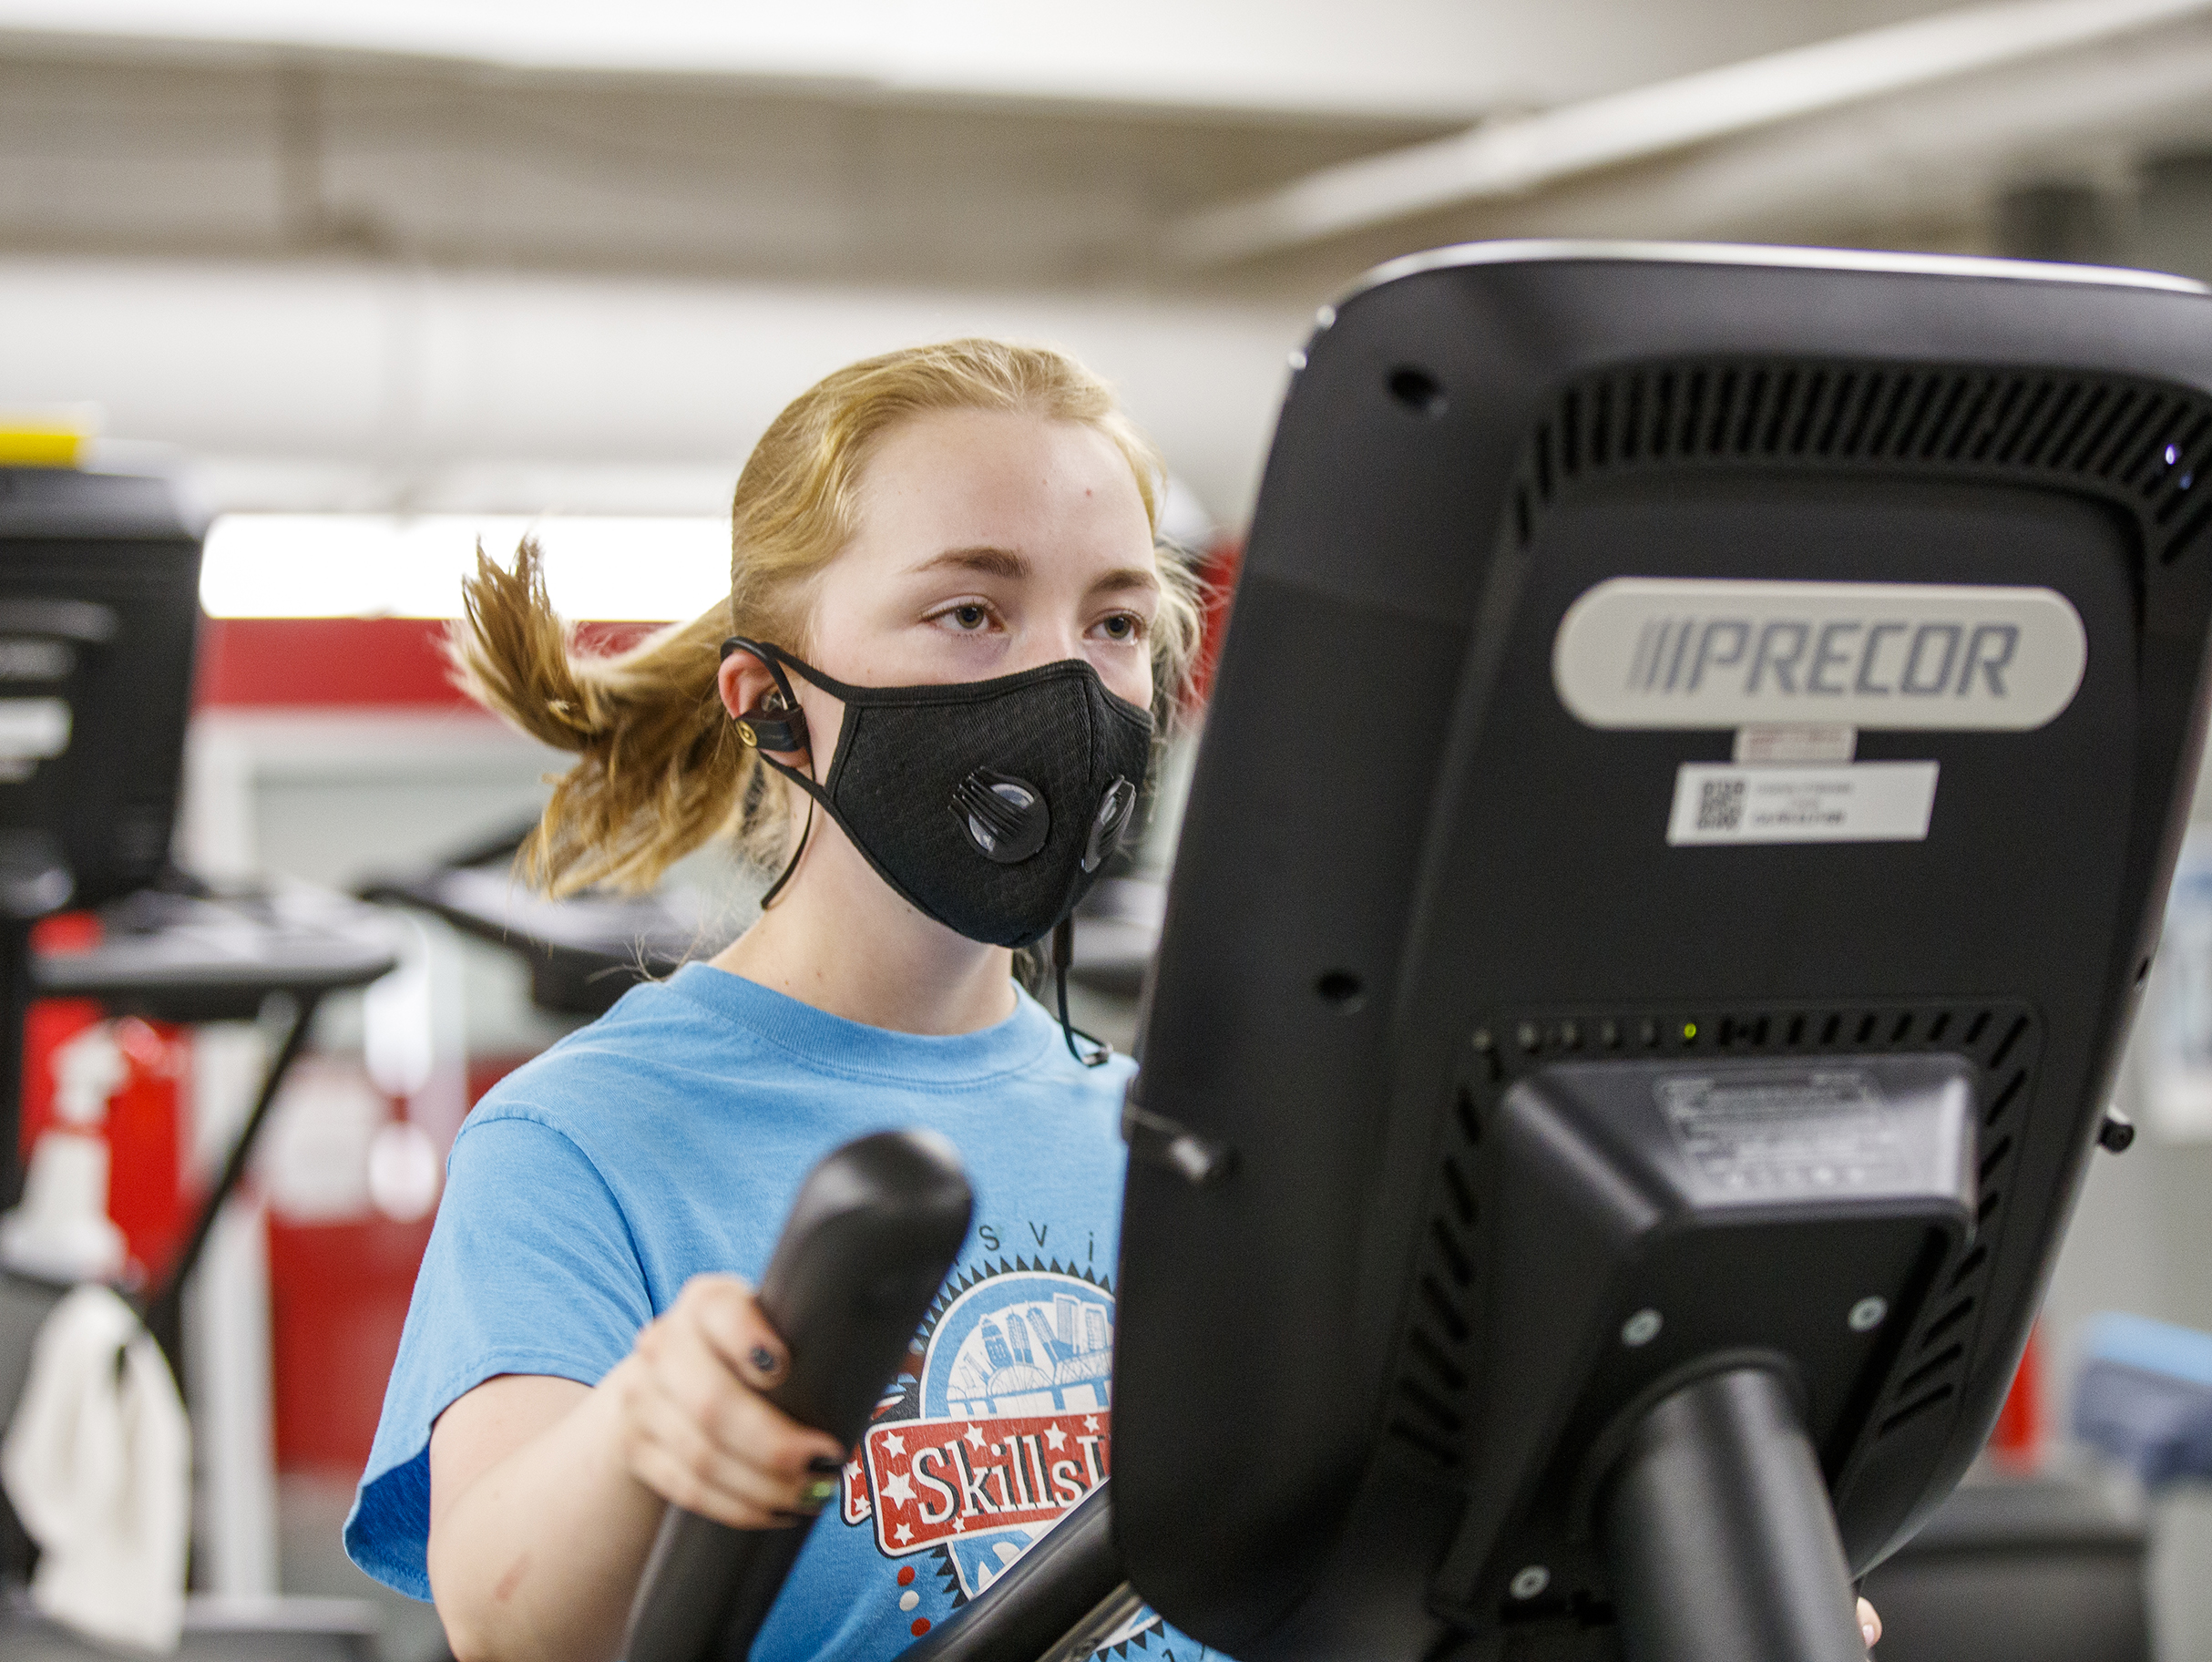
(545, 1495)
(696, 1428)
(1869, 1623)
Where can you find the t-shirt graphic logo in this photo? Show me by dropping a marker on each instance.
(1006, 1423)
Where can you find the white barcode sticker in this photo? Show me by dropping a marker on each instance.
(1864, 802)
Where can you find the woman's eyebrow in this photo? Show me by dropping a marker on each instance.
(1125, 577)
(988, 560)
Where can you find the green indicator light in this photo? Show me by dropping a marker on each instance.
(1689, 1030)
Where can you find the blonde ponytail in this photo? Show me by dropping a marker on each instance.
(660, 772)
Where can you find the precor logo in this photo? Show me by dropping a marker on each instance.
(1684, 653)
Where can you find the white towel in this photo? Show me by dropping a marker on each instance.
(98, 1461)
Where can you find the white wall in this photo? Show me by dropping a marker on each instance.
(349, 385)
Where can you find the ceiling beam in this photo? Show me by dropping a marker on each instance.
(1937, 157)
(1515, 158)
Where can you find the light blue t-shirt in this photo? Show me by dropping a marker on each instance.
(668, 1139)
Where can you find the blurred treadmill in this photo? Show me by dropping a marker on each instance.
(99, 613)
(182, 953)
(174, 955)
(583, 952)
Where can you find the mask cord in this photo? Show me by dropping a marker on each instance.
(791, 865)
(787, 700)
(1063, 953)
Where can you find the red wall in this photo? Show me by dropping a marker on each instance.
(338, 1293)
(344, 663)
(341, 663)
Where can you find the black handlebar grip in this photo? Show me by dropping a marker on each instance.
(869, 1241)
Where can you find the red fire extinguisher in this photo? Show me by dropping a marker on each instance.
(95, 1086)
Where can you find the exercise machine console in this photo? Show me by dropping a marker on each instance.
(1682, 828)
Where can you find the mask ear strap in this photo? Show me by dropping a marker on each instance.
(1063, 953)
(785, 730)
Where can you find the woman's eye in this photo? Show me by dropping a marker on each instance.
(1122, 626)
(967, 618)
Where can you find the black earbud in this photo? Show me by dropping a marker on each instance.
(766, 728)
(777, 722)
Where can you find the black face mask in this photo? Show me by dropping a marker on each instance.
(991, 805)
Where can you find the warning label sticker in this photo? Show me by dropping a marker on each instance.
(1790, 1132)
(1864, 802)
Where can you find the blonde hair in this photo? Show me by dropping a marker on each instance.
(658, 772)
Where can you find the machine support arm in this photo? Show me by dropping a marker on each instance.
(1719, 1535)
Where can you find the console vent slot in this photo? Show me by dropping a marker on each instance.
(1931, 1367)
(1427, 1406)
(1427, 1396)
(2142, 445)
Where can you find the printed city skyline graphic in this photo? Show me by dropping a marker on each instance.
(1034, 1356)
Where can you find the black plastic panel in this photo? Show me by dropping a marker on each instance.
(1392, 799)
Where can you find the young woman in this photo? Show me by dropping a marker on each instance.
(946, 602)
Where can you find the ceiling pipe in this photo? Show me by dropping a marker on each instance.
(1937, 159)
(1514, 157)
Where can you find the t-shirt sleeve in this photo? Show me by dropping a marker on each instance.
(531, 1268)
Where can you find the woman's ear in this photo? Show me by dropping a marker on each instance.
(749, 688)
(743, 680)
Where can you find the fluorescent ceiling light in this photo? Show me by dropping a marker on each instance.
(372, 565)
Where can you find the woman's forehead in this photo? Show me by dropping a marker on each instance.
(989, 479)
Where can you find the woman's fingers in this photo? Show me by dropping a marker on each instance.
(721, 1310)
(697, 1371)
(724, 1314)
(700, 1432)
(692, 1408)
(680, 1483)
(1869, 1623)
(673, 1455)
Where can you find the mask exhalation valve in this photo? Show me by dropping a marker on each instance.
(1005, 818)
(1108, 823)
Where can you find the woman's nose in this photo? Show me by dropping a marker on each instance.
(1044, 643)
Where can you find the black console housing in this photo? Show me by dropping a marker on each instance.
(1644, 933)
(99, 612)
